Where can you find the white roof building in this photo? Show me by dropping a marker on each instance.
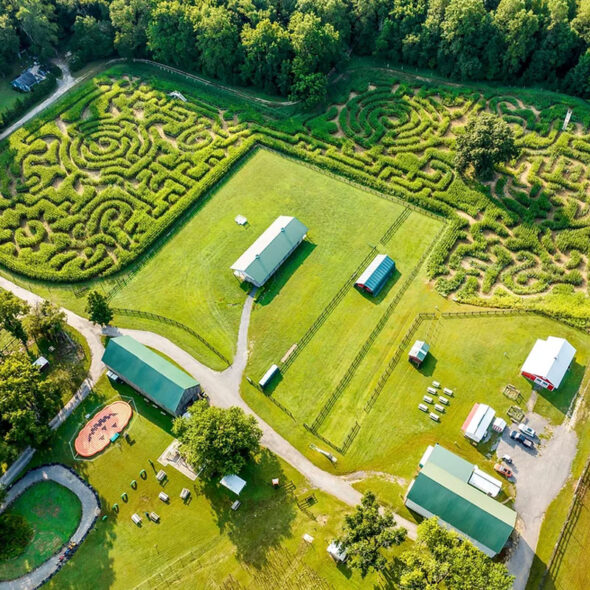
(233, 483)
(548, 362)
(478, 422)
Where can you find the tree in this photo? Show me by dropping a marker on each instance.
(517, 27)
(92, 38)
(130, 20)
(221, 439)
(218, 42)
(97, 308)
(8, 44)
(27, 403)
(487, 140)
(171, 34)
(366, 532)
(46, 321)
(311, 89)
(578, 79)
(442, 559)
(36, 19)
(267, 56)
(11, 311)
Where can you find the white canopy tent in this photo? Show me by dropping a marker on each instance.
(233, 483)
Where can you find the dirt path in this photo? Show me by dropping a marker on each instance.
(90, 511)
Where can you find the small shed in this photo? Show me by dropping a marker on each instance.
(418, 352)
(161, 475)
(499, 425)
(233, 483)
(274, 369)
(337, 552)
(136, 518)
(241, 220)
(478, 422)
(376, 274)
(41, 363)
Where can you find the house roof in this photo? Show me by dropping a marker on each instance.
(147, 371)
(377, 273)
(419, 350)
(478, 422)
(263, 257)
(462, 506)
(549, 359)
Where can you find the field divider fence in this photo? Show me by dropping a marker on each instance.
(160, 318)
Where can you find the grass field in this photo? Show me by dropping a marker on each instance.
(53, 512)
(202, 543)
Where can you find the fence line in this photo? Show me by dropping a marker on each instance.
(331, 401)
(566, 531)
(160, 318)
(350, 437)
(322, 438)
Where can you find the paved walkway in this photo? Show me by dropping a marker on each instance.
(223, 389)
(90, 511)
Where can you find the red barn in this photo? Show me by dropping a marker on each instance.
(548, 362)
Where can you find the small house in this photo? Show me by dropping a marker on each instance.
(418, 352)
(29, 78)
(548, 362)
(376, 274)
(264, 257)
(455, 491)
(478, 422)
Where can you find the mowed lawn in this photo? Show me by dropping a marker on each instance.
(53, 513)
(475, 357)
(202, 543)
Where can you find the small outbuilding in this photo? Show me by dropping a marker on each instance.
(233, 483)
(418, 352)
(376, 274)
(272, 371)
(41, 363)
(548, 362)
(337, 552)
(478, 422)
(264, 257)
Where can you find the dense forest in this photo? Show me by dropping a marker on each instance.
(289, 46)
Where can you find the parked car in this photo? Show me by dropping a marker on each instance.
(527, 430)
(507, 459)
(503, 470)
(523, 440)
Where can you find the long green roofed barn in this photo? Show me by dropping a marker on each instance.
(150, 374)
(264, 257)
(446, 487)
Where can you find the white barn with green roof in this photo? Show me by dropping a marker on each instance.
(450, 488)
(264, 257)
(152, 375)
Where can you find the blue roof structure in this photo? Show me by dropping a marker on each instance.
(376, 274)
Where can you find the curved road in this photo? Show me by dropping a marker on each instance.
(223, 389)
(90, 511)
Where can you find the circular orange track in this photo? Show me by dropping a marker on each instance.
(97, 433)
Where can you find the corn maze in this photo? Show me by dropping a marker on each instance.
(85, 193)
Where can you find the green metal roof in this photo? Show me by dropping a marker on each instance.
(269, 250)
(147, 371)
(450, 462)
(463, 506)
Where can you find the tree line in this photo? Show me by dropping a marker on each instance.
(288, 47)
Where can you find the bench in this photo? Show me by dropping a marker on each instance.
(436, 384)
(431, 390)
(434, 417)
(164, 497)
(427, 399)
(443, 400)
(448, 391)
(440, 409)
(423, 407)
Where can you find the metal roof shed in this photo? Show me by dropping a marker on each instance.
(418, 352)
(233, 483)
(264, 257)
(478, 422)
(150, 374)
(548, 362)
(376, 274)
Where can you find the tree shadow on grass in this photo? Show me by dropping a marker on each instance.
(265, 517)
(273, 287)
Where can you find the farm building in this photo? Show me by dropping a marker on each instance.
(418, 352)
(548, 362)
(150, 374)
(454, 490)
(376, 274)
(264, 257)
(29, 78)
(478, 422)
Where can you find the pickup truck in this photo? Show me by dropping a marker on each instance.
(522, 439)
